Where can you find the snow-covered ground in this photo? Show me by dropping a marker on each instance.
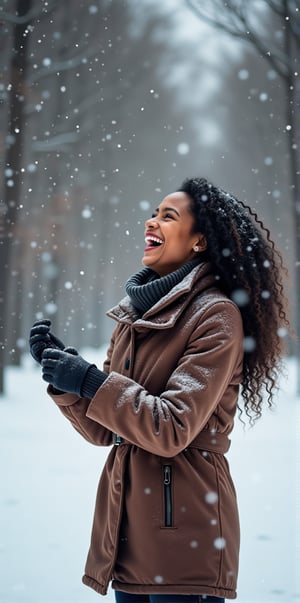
(49, 476)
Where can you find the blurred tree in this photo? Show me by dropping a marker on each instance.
(279, 45)
(102, 122)
(91, 132)
(10, 206)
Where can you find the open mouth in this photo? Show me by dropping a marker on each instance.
(152, 241)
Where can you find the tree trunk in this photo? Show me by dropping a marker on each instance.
(13, 163)
(291, 129)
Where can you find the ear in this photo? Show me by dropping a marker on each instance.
(201, 244)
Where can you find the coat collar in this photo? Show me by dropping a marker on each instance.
(161, 315)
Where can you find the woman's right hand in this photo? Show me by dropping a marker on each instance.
(41, 338)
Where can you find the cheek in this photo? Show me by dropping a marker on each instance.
(178, 246)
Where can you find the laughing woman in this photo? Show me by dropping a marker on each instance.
(199, 324)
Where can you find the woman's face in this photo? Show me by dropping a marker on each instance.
(169, 235)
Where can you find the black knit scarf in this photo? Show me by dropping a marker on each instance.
(146, 287)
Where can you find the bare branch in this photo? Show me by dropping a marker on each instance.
(36, 11)
(231, 17)
(60, 142)
(69, 63)
(278, 60)
(226, 23)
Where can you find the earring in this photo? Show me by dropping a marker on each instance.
(196, 248)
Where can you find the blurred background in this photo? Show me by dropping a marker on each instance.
(106, 107)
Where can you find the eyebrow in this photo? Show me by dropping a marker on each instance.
(168, 209)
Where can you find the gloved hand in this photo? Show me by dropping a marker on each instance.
(71, 350)
(68, 372)
(41, 338)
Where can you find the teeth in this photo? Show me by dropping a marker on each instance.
(154, 239)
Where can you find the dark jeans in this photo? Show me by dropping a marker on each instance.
(129, 598)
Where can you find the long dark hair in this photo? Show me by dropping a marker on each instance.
(249, 270)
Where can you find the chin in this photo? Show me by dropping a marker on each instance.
(147, 264)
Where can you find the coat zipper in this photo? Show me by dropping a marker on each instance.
(167, 472)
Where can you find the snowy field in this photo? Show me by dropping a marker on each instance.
(49, 476)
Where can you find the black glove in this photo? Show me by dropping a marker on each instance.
(68, 372)
(71, 350)
(40, 338)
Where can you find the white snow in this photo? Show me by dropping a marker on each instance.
(49, 476)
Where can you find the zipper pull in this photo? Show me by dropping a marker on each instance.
(167, 475)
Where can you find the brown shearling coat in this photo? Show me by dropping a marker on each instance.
(166, 518)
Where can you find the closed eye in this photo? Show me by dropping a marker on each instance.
(166, 212)
(167, 215)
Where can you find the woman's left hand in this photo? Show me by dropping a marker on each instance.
(64, 370)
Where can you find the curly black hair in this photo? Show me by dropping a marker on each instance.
(249, 270)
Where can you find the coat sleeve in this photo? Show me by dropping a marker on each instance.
(106, 364)
(75, 410)
(166, 424)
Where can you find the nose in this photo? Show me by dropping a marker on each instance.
(151, 222)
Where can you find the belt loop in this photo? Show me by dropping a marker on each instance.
(117, 439)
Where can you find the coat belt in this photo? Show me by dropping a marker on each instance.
(211, 441)
(206, 440)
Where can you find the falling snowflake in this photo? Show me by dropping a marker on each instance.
(211, 497)
(50, 308)
(86, 213)
(183, 148)
(243, 74)
(249, 344)
(220, 543)
(144, 205)
(240, 297)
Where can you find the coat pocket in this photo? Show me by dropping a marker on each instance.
(168, 495)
